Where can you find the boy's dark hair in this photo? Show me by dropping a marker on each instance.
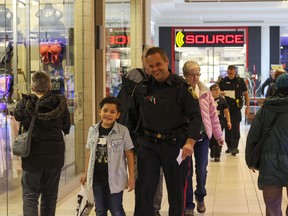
(110, 100)
(214, 86)
(154, 50)
(41, 82)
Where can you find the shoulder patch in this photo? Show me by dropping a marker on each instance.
(192, 92)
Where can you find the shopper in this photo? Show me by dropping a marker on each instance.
(224, 118)
(210, 125)
(270, 81)
(109, 146)
(234, 88)
(273, 170)
(169, 121)
(42, 168)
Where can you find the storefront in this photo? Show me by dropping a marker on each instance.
(48, 36)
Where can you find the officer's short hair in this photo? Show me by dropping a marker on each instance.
(110, 100)
(41, 82)
(231, 67)
(154, 50)
(190, 65)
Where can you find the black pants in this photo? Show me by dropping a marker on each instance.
(214, 147)
(152, 156)
(232, 136)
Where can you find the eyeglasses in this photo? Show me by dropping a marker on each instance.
(194, 75)
(215, 89)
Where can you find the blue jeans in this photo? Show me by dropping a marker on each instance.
(201, 150)
(105, 201)
(36, 183)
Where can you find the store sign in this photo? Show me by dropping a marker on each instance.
(209, 39)
(119, 40)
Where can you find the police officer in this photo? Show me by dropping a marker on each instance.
(165, 116)
(233, 88)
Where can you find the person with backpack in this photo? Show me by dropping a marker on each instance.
(234, 88)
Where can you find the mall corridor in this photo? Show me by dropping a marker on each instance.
(232, 189)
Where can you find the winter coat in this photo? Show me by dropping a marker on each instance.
(209, 113)
(53, 119)
(273, 169)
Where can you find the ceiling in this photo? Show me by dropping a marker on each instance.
(207, 13)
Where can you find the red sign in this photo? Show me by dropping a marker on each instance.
(196, 39)
(119, 40)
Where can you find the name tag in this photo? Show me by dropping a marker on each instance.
(102, 141)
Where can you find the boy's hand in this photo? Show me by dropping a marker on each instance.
(130, 184)
(83, 179)
(220, 142)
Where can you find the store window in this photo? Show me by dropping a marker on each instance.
(118, 60)
(38, 35)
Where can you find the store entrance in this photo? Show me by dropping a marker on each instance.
(213, 60)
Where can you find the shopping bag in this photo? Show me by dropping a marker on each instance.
(85, 201)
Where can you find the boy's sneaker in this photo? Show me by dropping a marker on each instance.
(217, 159)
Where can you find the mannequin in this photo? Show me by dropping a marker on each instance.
(6, 23)
(49, 18)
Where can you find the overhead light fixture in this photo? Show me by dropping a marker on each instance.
(198, 1)
(233, 21)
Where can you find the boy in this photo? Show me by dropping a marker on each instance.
(109, 145)
(224, 117)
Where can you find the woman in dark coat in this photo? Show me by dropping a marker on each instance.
(273, 170)
(42, 168)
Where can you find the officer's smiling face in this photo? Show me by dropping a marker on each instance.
(158, 67)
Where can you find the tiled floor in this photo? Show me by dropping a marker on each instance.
(231, 186)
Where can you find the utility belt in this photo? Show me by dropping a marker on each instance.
(178, 133)
(237, 103)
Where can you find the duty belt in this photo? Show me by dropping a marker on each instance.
(158, 135)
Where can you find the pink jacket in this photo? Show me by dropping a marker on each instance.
(209, 113)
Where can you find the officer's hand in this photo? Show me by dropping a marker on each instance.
(229, 125)
(188, 150)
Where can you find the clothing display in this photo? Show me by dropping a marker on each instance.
(8, 21)
(51, 52)
(6, 52)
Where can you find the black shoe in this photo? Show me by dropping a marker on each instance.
(234, 152)
(212, 154)
(217, 159)
(157, 213)
(228, 151)
(201, 208)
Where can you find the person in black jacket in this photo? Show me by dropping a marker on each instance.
(273, 172)
(270, 81)
(164, 114)
(42, 168)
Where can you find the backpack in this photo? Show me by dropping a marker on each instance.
(125, 93)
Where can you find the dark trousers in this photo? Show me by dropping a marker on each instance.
(214, 147)
(151, 157)
(105, 201)
(36, 183)
(273, 200)
(201, 149)
(232, 136)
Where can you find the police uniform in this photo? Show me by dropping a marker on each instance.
(164, 115)
(234, 88)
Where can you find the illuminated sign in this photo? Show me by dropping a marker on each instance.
(119, 40)
(209, 39)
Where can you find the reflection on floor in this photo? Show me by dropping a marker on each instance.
(231, 187)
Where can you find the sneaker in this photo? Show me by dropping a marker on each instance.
(217, 159)
(201, 208)
(157, 213)
(234, 151)
(189, 212)
(228, 151)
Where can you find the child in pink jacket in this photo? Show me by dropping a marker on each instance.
(211, 125)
